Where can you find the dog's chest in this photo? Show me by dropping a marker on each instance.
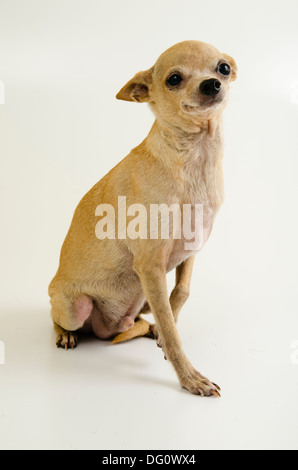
(202, 197)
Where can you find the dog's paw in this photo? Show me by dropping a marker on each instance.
(67, 339)
(197, 384)
(153, 333)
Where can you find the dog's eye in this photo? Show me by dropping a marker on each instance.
(224, 69)
(174, 79)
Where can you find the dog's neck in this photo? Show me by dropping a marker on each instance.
(169, 143)
(194, 159)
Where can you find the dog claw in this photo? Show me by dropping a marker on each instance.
(215, 385)
(197, 384)
(67, 340)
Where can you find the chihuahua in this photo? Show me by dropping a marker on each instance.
(104, 283)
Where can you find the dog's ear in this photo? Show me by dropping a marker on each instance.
(138, 88)
(233, 65)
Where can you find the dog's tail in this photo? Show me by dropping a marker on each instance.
(140, 328)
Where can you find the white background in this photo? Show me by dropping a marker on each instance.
(61, 130)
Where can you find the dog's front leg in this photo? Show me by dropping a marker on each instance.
(180, 292)
(153, 279)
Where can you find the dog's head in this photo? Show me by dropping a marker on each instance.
(190, 81)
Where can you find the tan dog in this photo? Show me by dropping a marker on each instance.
(103, 285)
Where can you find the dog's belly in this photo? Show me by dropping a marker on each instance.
(110, 315)
(109, 318)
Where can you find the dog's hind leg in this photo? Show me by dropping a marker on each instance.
(140, 328)
(65, 339)
(69, 316)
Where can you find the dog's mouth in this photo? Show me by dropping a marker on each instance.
(204, 104)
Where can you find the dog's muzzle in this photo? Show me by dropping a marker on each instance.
(210, 87)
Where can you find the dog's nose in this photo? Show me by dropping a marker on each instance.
(210, 87)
